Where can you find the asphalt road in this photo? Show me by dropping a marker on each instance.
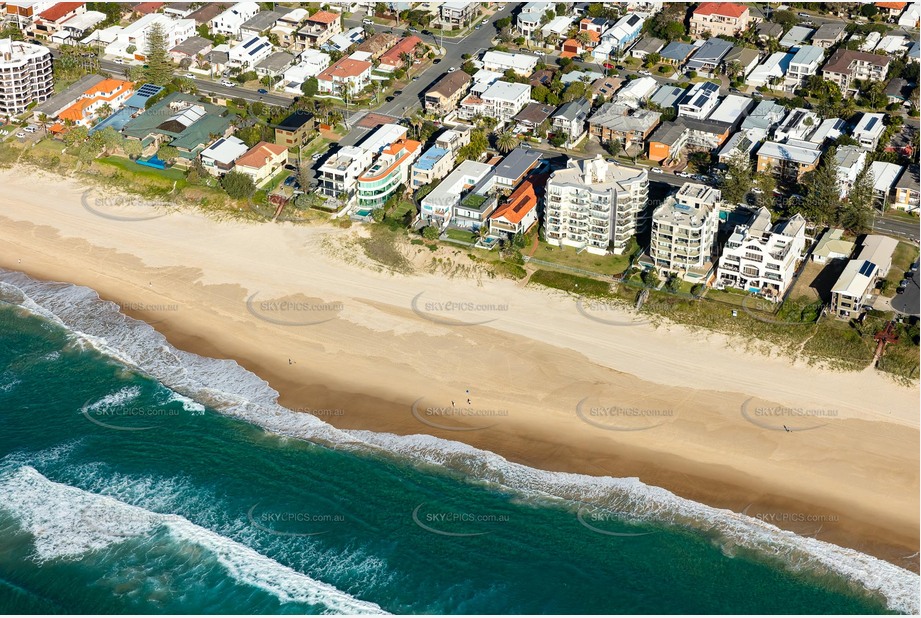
(455, 47)
(909, 301)
(898, 227)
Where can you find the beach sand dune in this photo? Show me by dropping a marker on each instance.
(697, 413)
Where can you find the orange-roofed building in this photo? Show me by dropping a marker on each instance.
(146, 8)
(318, 29)
(262, 161)
(720, 19)
(346, 76)
(518, 214)
(891, 9)
(388, 173)
(109, 92)
(392, 59)
(49, 21)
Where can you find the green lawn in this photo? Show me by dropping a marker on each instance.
(127, 165)
(571, 283)
(567, 256)
(462, 235)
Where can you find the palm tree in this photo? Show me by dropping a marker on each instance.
(105, 110)
(506, 142)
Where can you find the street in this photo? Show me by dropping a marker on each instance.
(896, 226)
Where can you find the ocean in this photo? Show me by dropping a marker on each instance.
(137, 478)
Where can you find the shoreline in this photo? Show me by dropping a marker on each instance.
(375, 358)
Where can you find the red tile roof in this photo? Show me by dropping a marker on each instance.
(324, 17)
(519, 203)
(260, 154)
(403, 46)
(728, 9)
(59, 10)
(345, 67)
(145, 8)
(894, 6)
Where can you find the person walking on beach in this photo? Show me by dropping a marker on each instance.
(785, 428)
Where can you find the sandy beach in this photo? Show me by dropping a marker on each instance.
(363, 348)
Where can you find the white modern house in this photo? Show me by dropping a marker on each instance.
(250, 52)
(219, 157)
(229, 21)
(761, 258)
(437, 208)
(869, 129)
(134, 37)
(529, 18)
(502, 101)
(701, 99)
(338, 176)
(596, 205)
(805, 63)
(521, 64)
(850, 162)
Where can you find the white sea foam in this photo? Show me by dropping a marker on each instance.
(226, 386)
(67, 522)
(116, 399)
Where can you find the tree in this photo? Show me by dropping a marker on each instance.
(766, 183)
(674, 30)
(238, 185)
(614, 147)
(733, 69)
(737, 179)
(857, 213)
(652, 59)
(822, 195)
(168, 153)
(159, 68)
(431, 232)
(132, 148)
(786, 19)
(75, 136)
(506, 142)
(475, 149)
(869, 11)
(539, 93)
(111, 139)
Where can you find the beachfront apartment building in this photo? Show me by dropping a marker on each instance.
(436, 162)
(443, 97)
(229, 22)
(502, 101)
(804, 64)
(262, 162)
(596, 205)
(788, 161)
(720, 19)
(388, 173)
(220, 156)
(318, 29)
(846, 66)
(869, 130)
(761, 258)
(345, 78)
(26, 76)
(520, 64)
(684, 229)
(851, 291)
(437, 208)
(338, 176)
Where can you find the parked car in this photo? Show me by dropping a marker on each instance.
(413, 30)
(803, 14)
(436, 61)
(914, 267)
(30, 129)
(416, 78)
(390, 98)
(478, 26)
(427, 33)
(118, 61)
(397, 93)
(227, 83)
(316, 157)
(262, 91)
(756, 191)
(368, 22)
(21, 135)
(656, 170)
(291, 181)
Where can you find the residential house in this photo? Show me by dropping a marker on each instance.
(250, 52)
(520, 64)
(911, 17)
(720, 19)
(852, 289)
(262, 162)
(906, 190)
(48, 22)
(529, 19)
(346, 77)
(337, 178)
(741, 143)
(646, 46)
(287, 26)
(770, 72)
(709, 56)
(799, 124)
(796, 36)
(606, 87)
(343, 41)
(192, 48)
(570, 120)
(684, 229)
(869, 130)
(502, 101)
(667, 142)
(617, 38)
(437, 208)
(829, 130)
(742, 60)
(443, 97)
(832, 246)
(260, 23)
(700, 99)
(677, 54)
(533, 116)
(765, 117)
(891, 10)
(595, 205)
(804, 64)
(310, 63)
(828, 35)
(135, 36)
(109, 94)
(898, 90)
(850, 161)
(846, 66)
(884, 179)
(295, 130)
(231, 20)
(27, 71)
(78, 26)
(275, 64)
(761, 258)
(57, 103)
(731, 110)
(377, 44)
(318, 29)
(393, 58)
(436, 162)
(618, 122)
(558, 26)
(518, 213)
(514, 167)
(667, 96)
(458, 14)
(219, 157)
(636, 92)
(768, 30)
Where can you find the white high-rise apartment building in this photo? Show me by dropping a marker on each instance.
(684, 229)
(26, 75)
(596, 205)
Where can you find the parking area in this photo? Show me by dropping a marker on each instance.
(908, 301)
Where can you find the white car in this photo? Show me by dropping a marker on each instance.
(316, 157)
(30, 129)
(657, 170)
(227, 83)
(21, 135)
(118, 61)
(756, 191)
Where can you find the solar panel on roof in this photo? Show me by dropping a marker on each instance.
(866, 269)
(872, 122)
(148, 90)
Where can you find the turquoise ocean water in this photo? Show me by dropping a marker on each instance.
(135, 478)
